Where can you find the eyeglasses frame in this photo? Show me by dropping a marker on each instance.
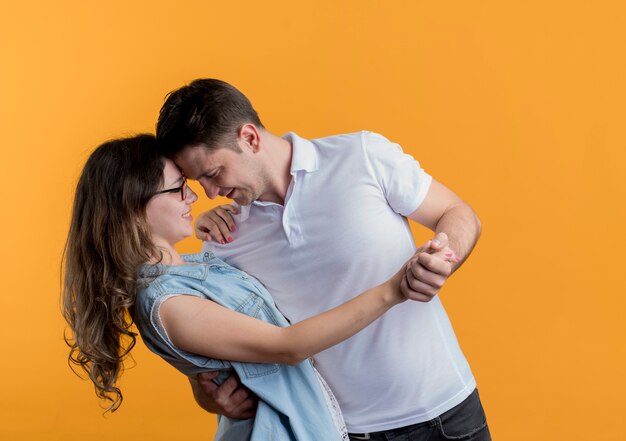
(182, 189)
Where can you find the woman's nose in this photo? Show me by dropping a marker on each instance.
(190, 196)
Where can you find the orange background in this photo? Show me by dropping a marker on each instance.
(518, 106)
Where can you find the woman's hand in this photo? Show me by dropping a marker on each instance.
(217, 224)
(428, 269)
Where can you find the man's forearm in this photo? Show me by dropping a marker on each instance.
(463, 228)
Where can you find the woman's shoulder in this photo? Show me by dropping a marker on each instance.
(159, 279)
(156, 283)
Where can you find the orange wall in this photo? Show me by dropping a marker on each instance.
(518, 106)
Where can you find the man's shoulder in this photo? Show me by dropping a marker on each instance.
(353, 137)
(362, 139)
(347, 143)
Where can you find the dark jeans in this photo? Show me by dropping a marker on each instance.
(464, 422)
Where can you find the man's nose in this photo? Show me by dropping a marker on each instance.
(211, 190)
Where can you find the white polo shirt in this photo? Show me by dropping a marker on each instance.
(341, 232)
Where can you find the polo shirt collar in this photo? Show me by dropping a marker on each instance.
(304, 154)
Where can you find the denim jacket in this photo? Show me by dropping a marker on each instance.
(292, 405)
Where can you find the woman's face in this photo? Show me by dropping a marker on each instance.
(169, 217)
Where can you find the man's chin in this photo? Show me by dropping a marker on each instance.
(239, 198)
(242, 200)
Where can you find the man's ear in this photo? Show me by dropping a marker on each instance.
(250, 137)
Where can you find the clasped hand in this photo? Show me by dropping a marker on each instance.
(428, 269)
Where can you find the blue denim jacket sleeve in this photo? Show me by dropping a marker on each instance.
(154, 335)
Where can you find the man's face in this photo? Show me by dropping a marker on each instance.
(224, 172)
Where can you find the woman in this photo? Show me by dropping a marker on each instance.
(198, 313)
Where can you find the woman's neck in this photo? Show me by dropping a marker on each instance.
(169, 255)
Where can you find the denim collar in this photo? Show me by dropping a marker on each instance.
(199, 272)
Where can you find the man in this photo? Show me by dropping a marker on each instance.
(318, 222)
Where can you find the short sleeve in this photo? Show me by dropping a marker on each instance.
(155, 336)
(400, 177)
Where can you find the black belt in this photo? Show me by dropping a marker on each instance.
(382, 435)
(360, 435)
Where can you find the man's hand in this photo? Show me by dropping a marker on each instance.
(230, 399)
(216, 224)
(428, 269)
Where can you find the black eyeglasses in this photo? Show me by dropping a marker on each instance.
(182, 190)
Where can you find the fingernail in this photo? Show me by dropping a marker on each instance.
(436, 242)
(449, 253)
(230, 239)
(208, 238)
(222, 241)
(233, 229)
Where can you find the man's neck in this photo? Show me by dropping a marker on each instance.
(279, 153)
